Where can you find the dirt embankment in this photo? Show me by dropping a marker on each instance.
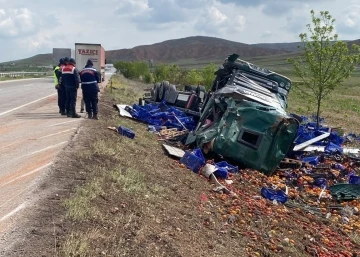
(114, 196)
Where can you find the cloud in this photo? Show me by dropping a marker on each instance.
(213, 21)
(15, 22)
(31, 27)
(297, 20)
(273, 7)
(132, 7)
(22, 22)
(246, 3)
(267, 34)
(350, 22)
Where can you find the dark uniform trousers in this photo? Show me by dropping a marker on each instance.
(91, 101)
(71, 96)
(61, 98)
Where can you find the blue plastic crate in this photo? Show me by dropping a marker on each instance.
(221, 173)
(272, 195)
(193, 160)
(230, 168)
(126, 132)
(354, 180)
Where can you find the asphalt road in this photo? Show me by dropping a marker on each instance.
(32, 134)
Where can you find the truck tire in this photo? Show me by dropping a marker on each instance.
(162, 89)
(200, 92)
(152, 94)
(156, 91)
(193, 88)
(172, 88)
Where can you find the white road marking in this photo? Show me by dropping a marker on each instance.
(21, 106)
(57, 124)
(46, 148)
(21, 206)
(27, 174)
(30, 85)
(61, 132)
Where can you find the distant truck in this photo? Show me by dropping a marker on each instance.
(59, 53)
(94, 52)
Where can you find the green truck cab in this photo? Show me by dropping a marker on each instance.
(244, 116)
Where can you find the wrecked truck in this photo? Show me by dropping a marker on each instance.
(244, 116)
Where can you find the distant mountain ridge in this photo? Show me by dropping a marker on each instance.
(197, 48)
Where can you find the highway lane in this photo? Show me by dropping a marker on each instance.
(32, 134)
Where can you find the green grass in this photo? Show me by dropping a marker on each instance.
(341, 108)
(79, 206)
(78, 244)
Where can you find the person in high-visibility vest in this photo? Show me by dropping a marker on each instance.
(58, 87)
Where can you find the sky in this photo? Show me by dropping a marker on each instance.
(36, 26)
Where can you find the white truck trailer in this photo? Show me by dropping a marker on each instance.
(94, 52)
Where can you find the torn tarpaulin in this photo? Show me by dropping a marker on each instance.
(162, 115)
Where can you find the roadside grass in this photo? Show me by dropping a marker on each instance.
(78, 244)
(137, 202)
(340, 109)
(140, 201)
(79, 206)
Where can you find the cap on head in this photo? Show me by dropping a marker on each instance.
(66, 60)
(89, 62)
(72, 60)
(61, 61)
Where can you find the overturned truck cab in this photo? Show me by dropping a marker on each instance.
(244, 116)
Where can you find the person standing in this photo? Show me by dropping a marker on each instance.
(71, 80)
(89, 77)
(57, 81)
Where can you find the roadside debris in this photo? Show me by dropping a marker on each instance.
(292, 164)
(123, 131)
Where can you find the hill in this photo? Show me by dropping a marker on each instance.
(192, 52)
(36, 60)
(288, 47)
(195, 48)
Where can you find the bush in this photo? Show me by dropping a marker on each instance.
(132, 70)
(148, 78)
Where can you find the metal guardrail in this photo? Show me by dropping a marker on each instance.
(22, 73)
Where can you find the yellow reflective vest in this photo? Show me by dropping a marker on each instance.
(56, 80)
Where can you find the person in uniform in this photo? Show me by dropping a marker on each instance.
(57, 81)
(71, 81)
(90, 78)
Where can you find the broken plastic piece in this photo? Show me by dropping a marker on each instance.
(126, 132)
(193, 160)
(272, 195)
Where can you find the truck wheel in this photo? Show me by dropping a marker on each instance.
(172, 88)
(156, 92)
(152, 94)
(200, 91)
(163, 88)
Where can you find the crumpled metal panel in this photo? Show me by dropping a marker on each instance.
(245, 118)
(251, 134)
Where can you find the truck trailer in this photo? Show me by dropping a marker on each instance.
(94, 52)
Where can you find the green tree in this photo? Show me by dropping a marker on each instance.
(325, 62)
(148, 78)
(208, 75)
(193, 77)
(160, 73)
(132, 70)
